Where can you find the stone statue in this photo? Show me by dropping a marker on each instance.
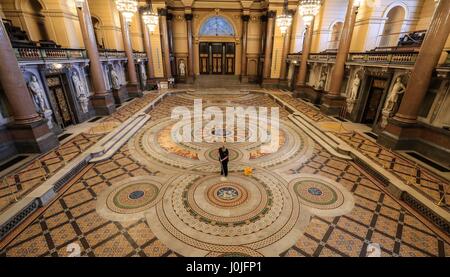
(351, 98)
(115, 79)
(82, 95)
(38, 98)
(355, 87)
(321, 84)
(38, 94)
(143, 74)
(397, 89)
(182, 68)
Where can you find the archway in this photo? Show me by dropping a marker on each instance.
(217, 47)
(392, 27)
(35, 20)
(97, 31)
(335, 36)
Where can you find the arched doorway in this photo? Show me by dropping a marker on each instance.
(217, 49)
(392, 27)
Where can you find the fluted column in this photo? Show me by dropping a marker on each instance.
(269, 44)
(29, 131)
(148, 51)
(190, 74)
(428, 58)
(102, 101)
(245, 19)
(133, 87)
(344, 46)
(165, 42)
(301, 79)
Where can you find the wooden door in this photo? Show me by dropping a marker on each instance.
(62, 112)
(204, 57)
(216, 58)
(373, 101)
(230, 57)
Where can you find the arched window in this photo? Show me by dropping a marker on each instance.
(392, 27)
(35, 20)
(336, 31)
(216, 26)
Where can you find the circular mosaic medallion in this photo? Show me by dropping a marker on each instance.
(318, 194)
(132, 198)
(315, 191)
(136, 194)
(227, 194)
(221, 132)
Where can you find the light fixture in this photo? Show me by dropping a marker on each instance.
(357, 3)
(284, 20)
(127, 8)
(79, 3)
(150, 17)
(309, 9)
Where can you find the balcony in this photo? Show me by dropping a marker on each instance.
(400, 58)
(27, 54)
(139, 55)
(112, 54)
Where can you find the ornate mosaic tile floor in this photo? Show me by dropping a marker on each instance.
(155, 198)
(22, 181)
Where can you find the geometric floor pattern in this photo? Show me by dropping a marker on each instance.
(374, 217)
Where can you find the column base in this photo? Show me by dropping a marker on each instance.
(332, 104)
(430, 141)
(35, 137)
(309, 94)
(103, 104)
(269, 83)
(190, 79)
(243, 78)
(134, 90)
(120, 95)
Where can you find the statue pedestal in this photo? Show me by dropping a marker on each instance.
(309, 94)
(120, 95)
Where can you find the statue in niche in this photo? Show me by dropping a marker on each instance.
(82, 95)
(38, 94)
(182, 67)
(143, 74)
(115, 79)
(351, 98)
(397, 89)
(321, 84)
(38, 97)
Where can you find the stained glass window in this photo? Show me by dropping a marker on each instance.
(216, 26)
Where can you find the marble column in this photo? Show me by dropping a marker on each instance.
(428, 58)
(269, 45)
(301, 77)
(173, 67)
(148, 51)
(190, 72)
(102, 99)
(286, 46)
(333, 102)
(29, 131)
(244, 77)
(262, 45)
(402, 130)
(165, 41)
(133, 86)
